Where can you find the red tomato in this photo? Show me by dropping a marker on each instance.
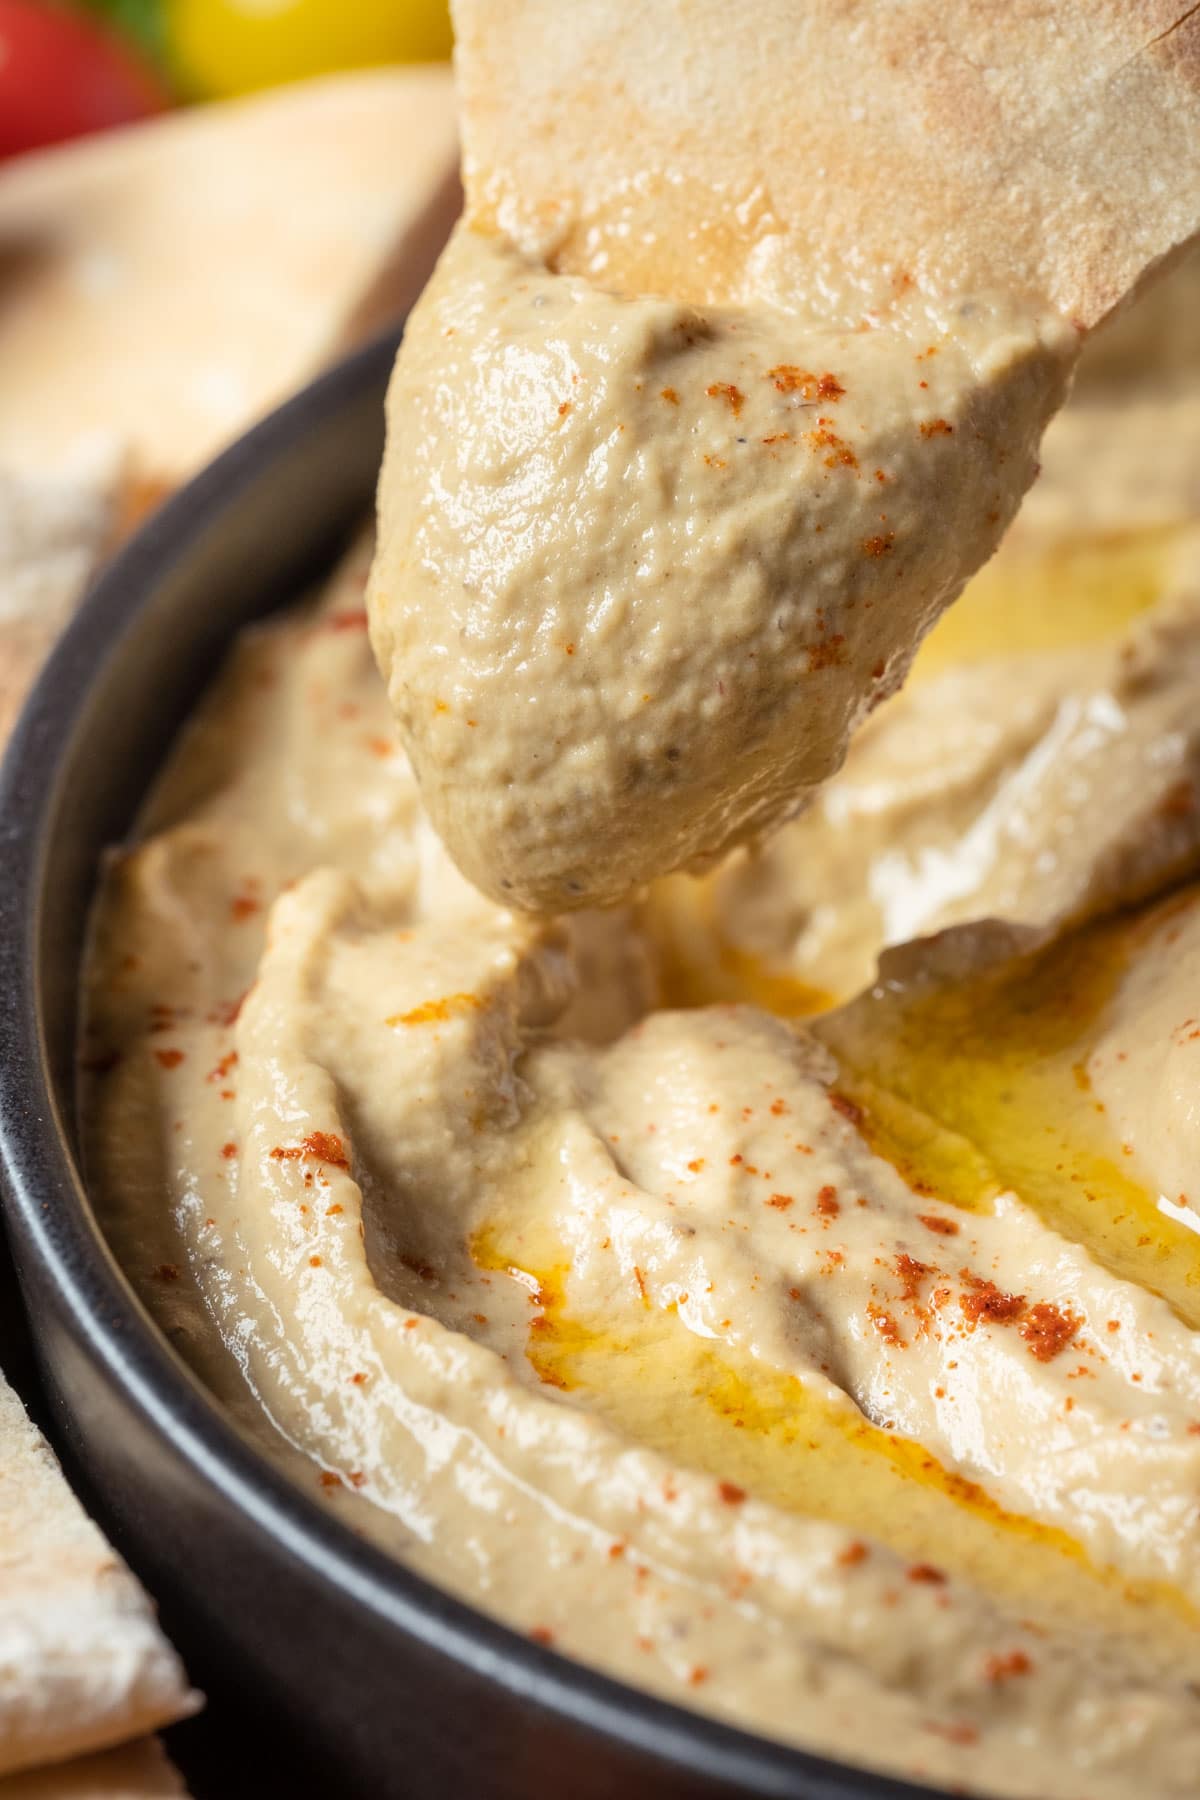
(63, 74)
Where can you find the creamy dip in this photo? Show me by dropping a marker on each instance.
(644, 567)
(1043, 761)
(801, 1374)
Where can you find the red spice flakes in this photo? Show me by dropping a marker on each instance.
(242, 907)
(670, 396)
(725, 390)
(542, 1634)
(697, 1675)
(221, 1072)
(828, 654)
(847, 1108)
(641, 1282)
(168, 1059)
(795, 1293)
(314, 1262)
(167, 1272)
(735, 1160)
(1048, 1329)
(730, 1493)
(348, 621)
(852, 1554)
(778, 437)
(781, 1202)
(840, 453)
(564, 407)
(1113, 1325)
(936, 428)
(879, 546)
(322, 1146)
(331, 1211)
(617, 1549)
(358, 1379)
(884, 1324)
(827, 1202)
(696, 1164)
(778, 1108)
(411, 1324)
(986, 1301)
(329, 1478)
(943, 1227)
(789, 379)
(954, 1733)
(228, 1150)
(1004, 1668)
(911, 1273)
(925, 1572)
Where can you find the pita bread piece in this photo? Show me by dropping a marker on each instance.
(162, 286)
(140, 1771)
(836, 150)
(83, 1664)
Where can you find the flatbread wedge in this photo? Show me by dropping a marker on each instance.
(164, 285)
(140, 1771)
(838, 150)
(83, 1663)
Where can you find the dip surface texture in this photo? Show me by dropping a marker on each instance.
(805, 1371)
(644, 566)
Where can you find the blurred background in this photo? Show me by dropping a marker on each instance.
(70, 67)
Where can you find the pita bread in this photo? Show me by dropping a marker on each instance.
(162, 286)
(53, 533)
(83, 1663)
(842, 148)
(140, 1771)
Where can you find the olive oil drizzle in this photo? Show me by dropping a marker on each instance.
(981, 1085)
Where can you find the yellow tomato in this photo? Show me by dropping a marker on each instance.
(223, 47)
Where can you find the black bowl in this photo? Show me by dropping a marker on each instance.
(389, 1686)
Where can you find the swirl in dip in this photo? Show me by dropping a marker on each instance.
(804, 1370)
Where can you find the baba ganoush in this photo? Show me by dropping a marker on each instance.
(805, 1371)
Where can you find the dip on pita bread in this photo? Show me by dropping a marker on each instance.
(733, 374)
(803, 1372)
(644, 567)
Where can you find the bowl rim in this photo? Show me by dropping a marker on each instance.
(45, 1194)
